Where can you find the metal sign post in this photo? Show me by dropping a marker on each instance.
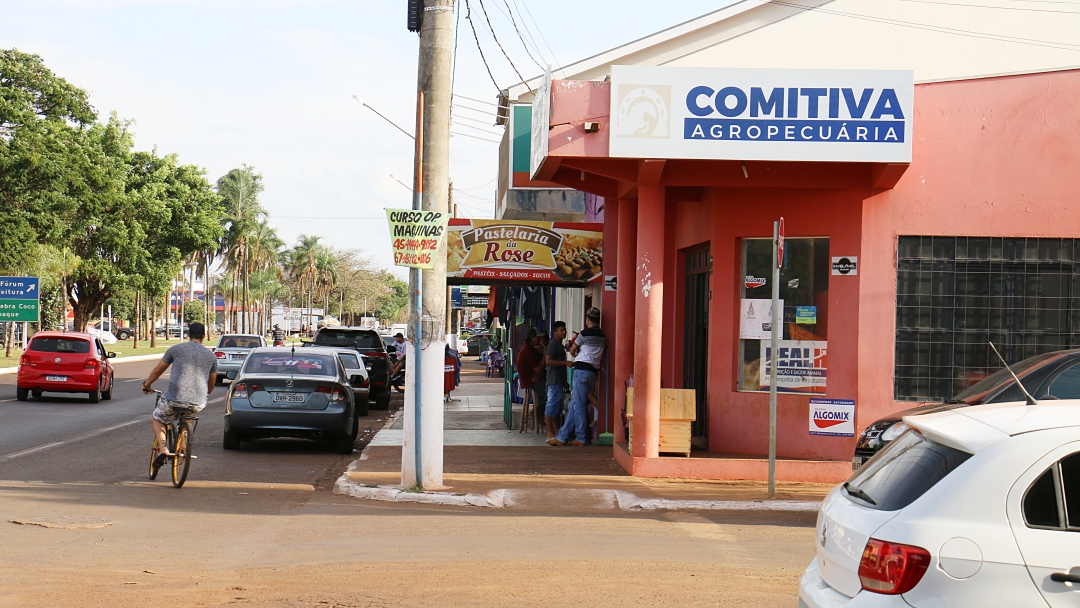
(778, 261)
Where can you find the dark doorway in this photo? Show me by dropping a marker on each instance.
(696, 337)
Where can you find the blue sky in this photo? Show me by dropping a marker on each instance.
(269, 83)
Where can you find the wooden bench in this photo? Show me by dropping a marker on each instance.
(678, 408)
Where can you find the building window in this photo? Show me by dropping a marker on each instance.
(804, 292)
(956, 294)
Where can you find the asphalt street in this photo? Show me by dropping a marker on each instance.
(260, 526)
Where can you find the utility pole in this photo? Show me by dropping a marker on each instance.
(422, 450)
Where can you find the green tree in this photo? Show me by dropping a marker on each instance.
(240, 189)
(195, 311)
(393, 308)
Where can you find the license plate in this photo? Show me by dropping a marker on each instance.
(288, 397)
(857, 462)
(234, 357)
(56, 378)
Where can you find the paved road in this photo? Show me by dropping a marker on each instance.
(261, 527)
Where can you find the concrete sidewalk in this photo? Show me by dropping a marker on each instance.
(488, 465)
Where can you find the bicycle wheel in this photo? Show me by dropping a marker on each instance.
(182, 460)
(154, 466)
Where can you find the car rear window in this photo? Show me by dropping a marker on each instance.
(312, 365)
(352, 339)
(902, 472)
(979, 391)
(350, 361)
(59, 345)
(239, 342)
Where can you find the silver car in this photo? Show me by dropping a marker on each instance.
(353, 362)
(231, 352)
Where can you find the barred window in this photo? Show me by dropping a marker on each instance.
(956, 294)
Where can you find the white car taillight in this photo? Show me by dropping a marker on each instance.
(892, 568)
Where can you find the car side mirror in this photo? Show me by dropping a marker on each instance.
(110, 355)
(231, 374)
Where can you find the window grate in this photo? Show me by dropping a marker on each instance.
(955, 294)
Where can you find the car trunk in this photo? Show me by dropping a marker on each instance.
(290, 392)
(46, 356)
(845, 527)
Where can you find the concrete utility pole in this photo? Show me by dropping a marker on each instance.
(433, 80)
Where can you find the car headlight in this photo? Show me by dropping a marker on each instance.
(894, 431)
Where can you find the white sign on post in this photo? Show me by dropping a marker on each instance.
(761, 114)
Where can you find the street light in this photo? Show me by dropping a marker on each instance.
(360, 101)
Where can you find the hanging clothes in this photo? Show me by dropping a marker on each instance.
(533, 303)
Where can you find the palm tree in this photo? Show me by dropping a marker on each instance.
(265, 256)
(240, 190)
(304, 267)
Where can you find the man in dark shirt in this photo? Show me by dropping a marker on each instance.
(556, 377)
(588, 350)
(528, 364)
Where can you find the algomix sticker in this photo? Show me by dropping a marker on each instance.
(835, 417)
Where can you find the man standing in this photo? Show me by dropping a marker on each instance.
(528, 364)
(556, 377)
(192, 380)
(588, 350)
(278, 335)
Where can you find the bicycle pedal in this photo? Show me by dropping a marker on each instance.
(193, 457)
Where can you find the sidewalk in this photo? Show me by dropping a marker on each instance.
(486, 464)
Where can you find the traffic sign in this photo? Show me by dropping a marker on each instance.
(20, 299)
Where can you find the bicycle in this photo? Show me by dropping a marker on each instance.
(178, 438)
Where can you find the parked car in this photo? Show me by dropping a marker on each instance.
(232, 350)
(104, 335)
(171, 331)
(284, 393)
(1054, 375)
(974, 506)
(121, 333)
(65, 362)
(353, 362)
(368, 343)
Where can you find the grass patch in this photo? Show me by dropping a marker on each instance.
(123, 348)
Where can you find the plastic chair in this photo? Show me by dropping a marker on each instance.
(495, 364)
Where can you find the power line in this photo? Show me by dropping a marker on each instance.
(513, 21)
(484, 131)
(468, 17)
(464, 107)
(487, 103)
(494, 141)
(479, 122)
(1063, 46)
(528, 32)
(1001, 8)
(453, 64)
(541, 32)
(499, 44)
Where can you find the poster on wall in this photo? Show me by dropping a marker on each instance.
(415, 236)
(835, 417)
(504, 250)
(755, 319)
(802, 366)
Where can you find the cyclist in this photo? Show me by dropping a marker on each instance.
(278, 335)
(192, 380)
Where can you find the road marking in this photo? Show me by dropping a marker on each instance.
(134, 380)
(6, 400)
(215, 400)
(32, 450)
(86, 436)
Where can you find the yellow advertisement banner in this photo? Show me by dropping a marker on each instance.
(504, 250)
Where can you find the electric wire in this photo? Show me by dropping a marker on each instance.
(555, 59)
(1002, 8)
(494, 141)
(524, 44)
(488, 103)
(1063, 46)
(528, 32)
(499, 44)
(479, 122)
(468, 17)
(465, 107)
(465, 126)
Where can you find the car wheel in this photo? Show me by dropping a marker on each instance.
(230, 441)
(95, 395)
(107, 395)
(343, 445)
(22, 393)
(382, 403)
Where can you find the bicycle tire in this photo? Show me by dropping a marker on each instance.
(153, 459)
(182, 459)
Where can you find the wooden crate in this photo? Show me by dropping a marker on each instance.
(678, 408)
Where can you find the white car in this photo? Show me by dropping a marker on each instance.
(978, 506)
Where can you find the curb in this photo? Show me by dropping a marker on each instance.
(625, 501)
(12, 370)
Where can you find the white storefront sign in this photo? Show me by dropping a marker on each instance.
(802, 366)
(762, 114)
(832, 417)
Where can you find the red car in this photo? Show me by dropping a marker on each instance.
(65, 362)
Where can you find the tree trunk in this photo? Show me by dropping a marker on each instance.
(138, 323)
(153, 316)
(247, 301)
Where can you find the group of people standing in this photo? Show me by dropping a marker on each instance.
(542, 363)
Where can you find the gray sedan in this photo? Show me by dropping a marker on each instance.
(232, 350)
(291, 393)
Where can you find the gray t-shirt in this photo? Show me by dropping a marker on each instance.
(556, 374)
(192, 364)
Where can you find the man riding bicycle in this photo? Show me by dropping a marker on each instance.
(195, 369)
(278, 335)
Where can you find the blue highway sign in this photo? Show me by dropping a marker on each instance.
(19, 288)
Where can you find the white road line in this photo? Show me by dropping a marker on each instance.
(215, 400)
(119, 426)
(6, 400)
(134, 380)
(32, 450)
